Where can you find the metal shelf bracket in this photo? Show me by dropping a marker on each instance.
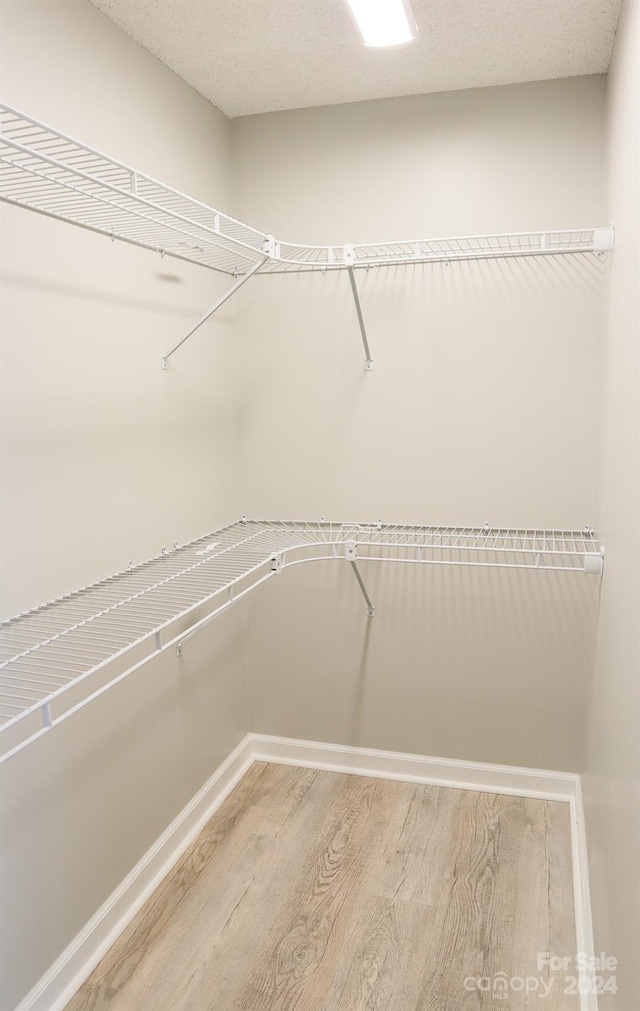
(603, 239)
(203, 319)
(349, 255)
(351, 553)
(594, 564)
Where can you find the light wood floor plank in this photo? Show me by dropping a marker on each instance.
(217, 967)
(315, 891)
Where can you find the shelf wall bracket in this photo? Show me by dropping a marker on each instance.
(603, 239)
(351, 553)
(349, 256)
(241, 280)
(594, 564)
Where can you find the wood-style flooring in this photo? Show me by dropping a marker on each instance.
(320, 891)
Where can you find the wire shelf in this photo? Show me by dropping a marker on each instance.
(49, 172)
(62, 645)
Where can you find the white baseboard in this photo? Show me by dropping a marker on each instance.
(581, 895)
(79, 959)
(58, 985)
(451, 772)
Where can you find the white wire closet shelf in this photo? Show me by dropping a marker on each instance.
(54, 659)
(49, 172)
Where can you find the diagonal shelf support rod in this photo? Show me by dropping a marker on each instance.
(203, 319)
(370, 608)
(368, 359)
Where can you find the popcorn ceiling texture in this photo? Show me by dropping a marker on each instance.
(254, 56)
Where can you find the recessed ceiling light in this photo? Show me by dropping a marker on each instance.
(384, 22)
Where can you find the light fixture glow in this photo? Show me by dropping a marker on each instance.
(384, 22)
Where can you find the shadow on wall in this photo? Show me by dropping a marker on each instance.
(495, 285)
(103, 296)
(482, 405)
(470, 663)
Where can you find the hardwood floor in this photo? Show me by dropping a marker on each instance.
(321, 891)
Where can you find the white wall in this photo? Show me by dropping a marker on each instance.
(612, 767)
(483, 406)
(107, 458)
(83, 804)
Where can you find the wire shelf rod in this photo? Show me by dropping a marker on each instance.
(115, 623)
(85, 648)
(58, 661)
(215, 571)
(93, 670)
(42, 635)
(80, 705)
(61, 665)
(101, 631)
(60, 680)
(21, 635)
(155, 588)
(102, 183)
(22, 695)
(147, 634)
(50, 172)
(440, 561)
(41, 679)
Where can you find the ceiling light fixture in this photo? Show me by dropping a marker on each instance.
(384, 22)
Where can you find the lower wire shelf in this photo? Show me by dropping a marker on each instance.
(51, 657)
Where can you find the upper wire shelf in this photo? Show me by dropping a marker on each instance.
(51, 657)
(50, 172)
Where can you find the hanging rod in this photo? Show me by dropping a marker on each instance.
(50, 650)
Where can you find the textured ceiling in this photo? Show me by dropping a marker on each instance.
(252, 56)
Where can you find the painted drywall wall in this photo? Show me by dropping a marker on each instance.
(107, 458)
(500, 427)
(612, 764)
(482, 407)
(83, 804)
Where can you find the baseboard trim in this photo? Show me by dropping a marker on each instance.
(79, 959)
(581, 893)
(58, 985)
(460, 775)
